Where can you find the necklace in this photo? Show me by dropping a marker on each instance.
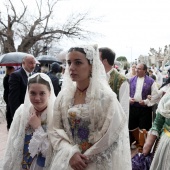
(43, 122)
(39, 111)
(81, 91)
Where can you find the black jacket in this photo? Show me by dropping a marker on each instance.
(17, 88)
(55, 83)
(6, 88)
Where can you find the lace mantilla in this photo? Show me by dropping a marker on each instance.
(90, 52)
(104, 158)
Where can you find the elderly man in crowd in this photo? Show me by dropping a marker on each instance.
(18, 83)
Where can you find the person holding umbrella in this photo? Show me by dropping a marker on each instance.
(18, 82)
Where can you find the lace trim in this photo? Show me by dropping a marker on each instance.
(39, 143)
(90, 52)
(104, 158)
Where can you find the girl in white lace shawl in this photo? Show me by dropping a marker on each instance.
(89, 126)
(28, 146)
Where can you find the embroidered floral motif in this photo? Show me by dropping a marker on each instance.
(27, 159)
(90, 51)
(84, 146)
(103, 159)
(79, 128)
(83, 133)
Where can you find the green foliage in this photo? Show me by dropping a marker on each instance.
(126, 65)
(123, 61)
(121, 58)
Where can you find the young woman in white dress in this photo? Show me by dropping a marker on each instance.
(90, 129)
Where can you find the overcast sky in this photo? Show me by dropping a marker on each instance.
(129, 27)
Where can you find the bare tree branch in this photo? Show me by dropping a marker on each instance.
(3, 24)
(1, 33)
(38, 28)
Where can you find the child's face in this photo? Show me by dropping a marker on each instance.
(39, 95)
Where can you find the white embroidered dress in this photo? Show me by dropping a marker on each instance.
(97, 129)
(103, 136)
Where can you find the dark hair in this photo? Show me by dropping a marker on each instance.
(9, 69)
(168, 71)
(81, 50)
(153, 77)
(56, 68)
(78, 49)
(107, 53)
(38, 79)
(144, 66)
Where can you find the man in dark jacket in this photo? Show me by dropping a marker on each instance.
(18, 83)
(55, 68)
(9, 71)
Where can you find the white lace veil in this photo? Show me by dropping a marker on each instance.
(98, 77)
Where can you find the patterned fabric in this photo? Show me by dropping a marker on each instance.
(115, 81)
(141, 162)
(146, 90)
(80, 129)
(109, 138)
(27, 159)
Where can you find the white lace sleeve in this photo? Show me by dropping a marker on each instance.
(39, 142)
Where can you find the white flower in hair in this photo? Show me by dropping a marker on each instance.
(90, 51)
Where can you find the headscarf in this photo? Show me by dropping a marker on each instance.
(14, 152)
(27, 102)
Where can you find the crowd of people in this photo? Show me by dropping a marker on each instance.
(91, 121)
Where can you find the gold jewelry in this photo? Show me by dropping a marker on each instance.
(81, 91)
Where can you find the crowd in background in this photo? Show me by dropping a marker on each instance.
(83, 113)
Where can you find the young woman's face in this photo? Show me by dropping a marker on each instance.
(39, 94)
(79, 68)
